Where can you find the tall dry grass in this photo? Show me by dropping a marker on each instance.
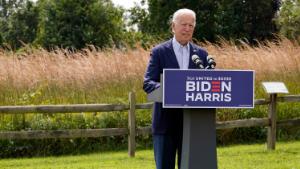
(93, 70)
(37, 76)
(272, 58)
(62, 67)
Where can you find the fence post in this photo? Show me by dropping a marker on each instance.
(131, 125)
(272, 119)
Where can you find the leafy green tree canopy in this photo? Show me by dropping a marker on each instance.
(22, 25)
(13, 20)
(231, 19)
(289, 19)
(76, 23)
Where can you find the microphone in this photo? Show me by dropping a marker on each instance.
(197, 61)
(210, 62)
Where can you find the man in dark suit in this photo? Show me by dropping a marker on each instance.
(175, 53)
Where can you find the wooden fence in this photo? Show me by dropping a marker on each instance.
(132, 131)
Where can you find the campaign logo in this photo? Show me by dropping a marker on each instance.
(208, 90)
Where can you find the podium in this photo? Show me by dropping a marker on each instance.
(199, 139)
(199, 92)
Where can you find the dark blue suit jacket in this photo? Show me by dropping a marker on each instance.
(167, 121)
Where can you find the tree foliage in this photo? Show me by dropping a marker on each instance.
(289, 19)
(247, 19)
(22, 25)
(61, 23)
(75, 23)
(139, 16)
(7, 9)
(251, 19)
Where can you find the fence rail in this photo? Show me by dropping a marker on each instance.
(63, 108)
(132, 131)
(74, 133)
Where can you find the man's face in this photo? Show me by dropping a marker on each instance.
(183, 28)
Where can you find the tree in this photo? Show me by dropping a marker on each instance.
(7, 8)
(139, 16)
(75, 23)
(251, 19)
(22, 25)
(289, 19)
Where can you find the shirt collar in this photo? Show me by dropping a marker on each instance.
(177, 45)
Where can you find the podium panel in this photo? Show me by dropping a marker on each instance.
(199, 139)
(208, 88)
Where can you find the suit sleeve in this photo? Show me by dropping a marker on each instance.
(152, 75)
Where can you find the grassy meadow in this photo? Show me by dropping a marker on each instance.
(37, 76)
(91, 75)
(255, 156)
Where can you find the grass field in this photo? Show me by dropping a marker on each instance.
(37, 76)
(286, 156)
(91, 75)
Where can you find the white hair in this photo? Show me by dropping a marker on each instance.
(181, 12)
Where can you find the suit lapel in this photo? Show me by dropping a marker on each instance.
(171, 55)
(192, 52)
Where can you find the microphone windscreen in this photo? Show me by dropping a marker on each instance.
(209, 57)
(210, 60)
(195, 57)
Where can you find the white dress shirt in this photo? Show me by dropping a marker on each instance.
(182, 54)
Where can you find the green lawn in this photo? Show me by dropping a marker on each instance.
(286, 156)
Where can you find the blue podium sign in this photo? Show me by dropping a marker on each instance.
(198, 88)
